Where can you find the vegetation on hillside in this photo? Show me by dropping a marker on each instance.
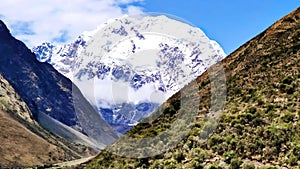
(260, 126)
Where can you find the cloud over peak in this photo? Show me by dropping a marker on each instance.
(60, 21)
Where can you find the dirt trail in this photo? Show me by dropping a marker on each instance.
(71, 163)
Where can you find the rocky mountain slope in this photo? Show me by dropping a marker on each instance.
(52, 98)
(23, 142)
(259, 127)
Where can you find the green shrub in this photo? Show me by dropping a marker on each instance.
(289, 89)
(269, 107)
(296, 151)
(260, 101)
(235, 121)
(215, 140)
(179, 156)
(157, 164)
(293, 160)
(170, 110)
(171, 164)
(214, 166)
(176, 104)
(235, 163)
(288, 80)
(268, 167)
(288, 117)
(285, 88)
(248, 166)
(196, 164)
(252, 110)
(228, 138)
(229, 155)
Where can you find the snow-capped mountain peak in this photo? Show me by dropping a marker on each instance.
(128, 66)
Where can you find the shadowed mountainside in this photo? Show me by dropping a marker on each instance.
(47, 92)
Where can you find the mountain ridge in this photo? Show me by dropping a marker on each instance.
(46, 91)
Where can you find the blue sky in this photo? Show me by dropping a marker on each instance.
(229, 22)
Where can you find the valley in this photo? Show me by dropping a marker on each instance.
(71, 106)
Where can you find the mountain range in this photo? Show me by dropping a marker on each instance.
(54, 108)
(54, 113)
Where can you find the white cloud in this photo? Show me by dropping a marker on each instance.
(35, 21)
(127, 1)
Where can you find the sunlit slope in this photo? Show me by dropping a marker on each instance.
(260, 123)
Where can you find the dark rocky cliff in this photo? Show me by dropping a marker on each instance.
(47, 91)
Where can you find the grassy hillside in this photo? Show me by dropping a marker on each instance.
(259, 127)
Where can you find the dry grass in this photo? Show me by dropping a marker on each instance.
(21, 147)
